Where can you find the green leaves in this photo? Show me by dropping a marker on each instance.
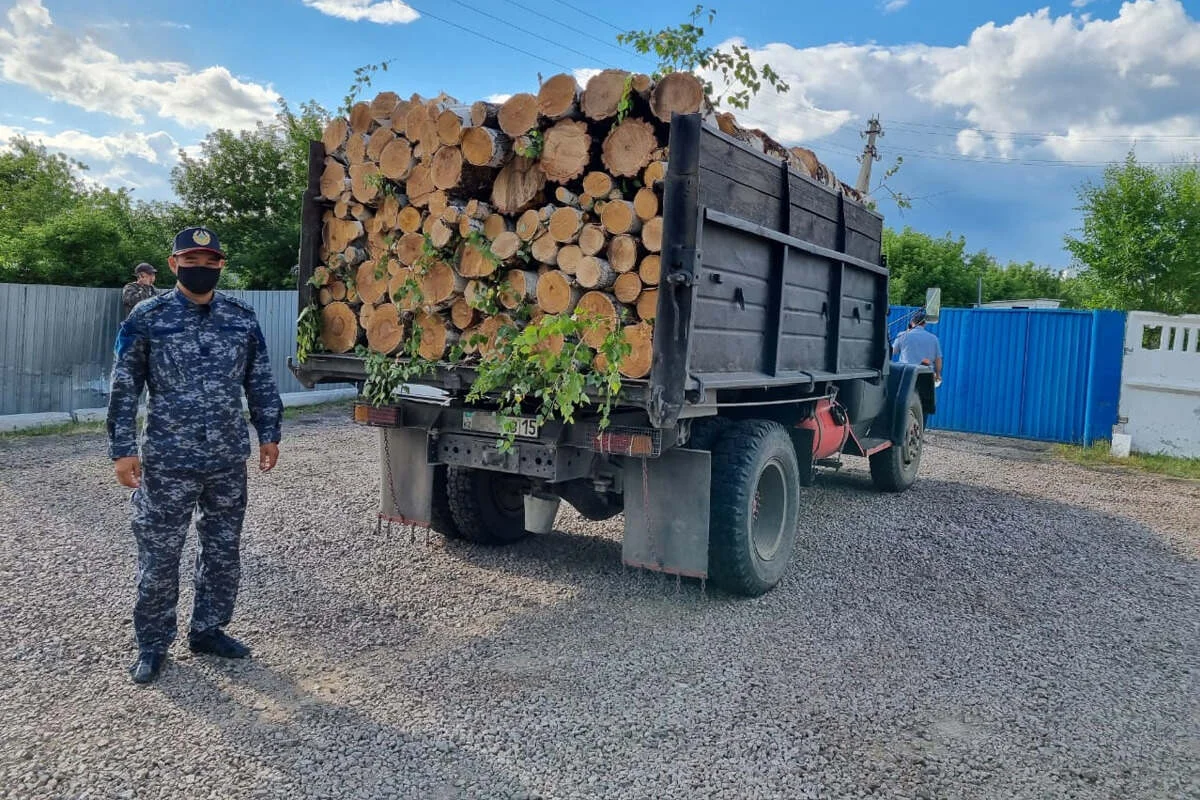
(308, 333)
(678, 49)
(530, 145)
(1140, 238)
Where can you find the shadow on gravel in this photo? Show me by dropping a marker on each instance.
(313, 741)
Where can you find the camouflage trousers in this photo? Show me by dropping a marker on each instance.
(162, 513)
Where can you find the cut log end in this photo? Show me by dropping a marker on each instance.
(623, 252)
(565, 224)
(385, 329)
(566, 151)
(627, 287)
(558, 96)
(647, 304)
(600, 316)
(518, 114)
(652, 233)
(339, 327)
(678, 92)
(517, 186)
(594, 273)
(640, 338)
(629, 147)
(557, 293)
(603, 94)
(620, 217)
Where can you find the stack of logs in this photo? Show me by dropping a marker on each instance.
(547, 204)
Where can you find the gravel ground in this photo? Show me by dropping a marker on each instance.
(1011, 627)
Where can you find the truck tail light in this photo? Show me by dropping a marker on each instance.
(384, 416)
(637, 442)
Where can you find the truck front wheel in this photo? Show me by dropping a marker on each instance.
(895, 469)
(755, 507)
(487, 507)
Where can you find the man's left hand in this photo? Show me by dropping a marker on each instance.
(268, 454)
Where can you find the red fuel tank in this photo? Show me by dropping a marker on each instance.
(830, 427)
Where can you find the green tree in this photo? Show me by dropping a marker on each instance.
(1140, 239)
(918, 262)
(54, 228)
(248, 187)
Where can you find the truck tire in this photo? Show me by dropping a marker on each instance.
(895, 469)
(487, 507)
(442, 520)
(706, 432)
(755, 507)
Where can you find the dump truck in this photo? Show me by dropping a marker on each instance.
(771, 361)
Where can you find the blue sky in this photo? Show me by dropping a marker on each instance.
(999, 109)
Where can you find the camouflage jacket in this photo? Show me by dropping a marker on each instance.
(134, 293)
(196, 361)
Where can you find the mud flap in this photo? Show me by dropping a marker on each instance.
(406, 477)
(666, 512)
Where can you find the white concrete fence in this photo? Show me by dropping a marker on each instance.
(1160, 384)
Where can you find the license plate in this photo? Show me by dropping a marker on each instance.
(487, 422)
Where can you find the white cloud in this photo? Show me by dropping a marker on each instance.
(1080, 82)
(582, 76)
(76, 70)
(154, 148)
(43, 121)
(894, 5)
(383, 12)
(497, 98)
(1081, 3)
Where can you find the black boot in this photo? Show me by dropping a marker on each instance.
(216, 642)
(147, 667)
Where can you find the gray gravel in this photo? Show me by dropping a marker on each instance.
(1012, 627)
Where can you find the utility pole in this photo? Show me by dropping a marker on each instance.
(870, 155)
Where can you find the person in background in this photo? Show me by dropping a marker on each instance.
(918, 346)
(196, 350)
(141, 288)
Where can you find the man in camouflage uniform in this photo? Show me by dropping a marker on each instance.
(142, 288)
(196, 350)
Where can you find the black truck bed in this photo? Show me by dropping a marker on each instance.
(769, 280)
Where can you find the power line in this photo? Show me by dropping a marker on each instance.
(579, 31)
(1033, 135)
(488, 38)
(519, 29)
(592, 16)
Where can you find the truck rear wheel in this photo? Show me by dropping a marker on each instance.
(487, 507)
(755, 507)
(442, 520)
(895, 469)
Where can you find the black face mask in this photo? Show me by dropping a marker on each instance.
(199, 280)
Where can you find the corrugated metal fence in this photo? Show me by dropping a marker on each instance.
(56, 344)
(1047, 374)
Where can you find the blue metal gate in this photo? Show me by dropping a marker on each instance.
(1048, 374)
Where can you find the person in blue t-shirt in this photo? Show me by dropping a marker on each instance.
(918, 346)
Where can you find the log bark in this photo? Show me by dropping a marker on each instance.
(462, 315)
(603, 94)
(677, 92)
(451, 123)
(484, 114)
(623, 252)
(640, 338)
(517, 186)
(567, 198)
(627, 287)
(333, 180)
(361, 118)
(647, 304)
(566, 151)
(371, 282)
(334, 136)
(628, 147)
(565, 224)
(339, 327)
(438, 335)
(601, 317)
(558, 97)
(396, 159)
(440, 285)
(595, 273)
(521, 287)
(592, 239)
(518, 114)
(652, 235)
(645, 203)
(651, 270)
(544, 250)
(597, 184)
(569, 258)
(385, 329)
(619, 217)
(557, 293)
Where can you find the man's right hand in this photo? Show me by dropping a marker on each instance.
(129, 471)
